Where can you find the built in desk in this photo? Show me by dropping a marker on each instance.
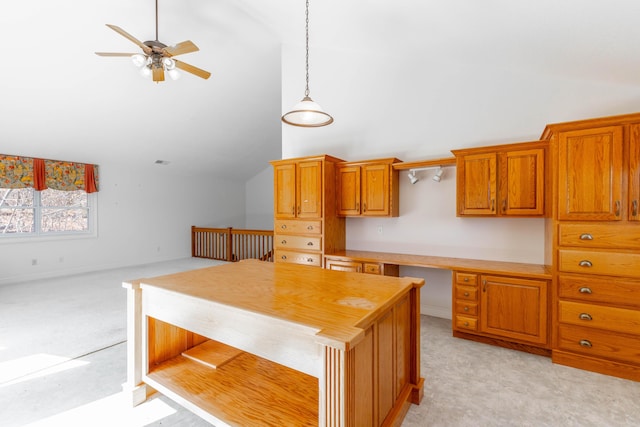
(257, 343)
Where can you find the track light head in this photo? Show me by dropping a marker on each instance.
(438, 176)
(412, 177)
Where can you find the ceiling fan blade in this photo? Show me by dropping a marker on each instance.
(158, 74)
(114, 54)
(193, 70)
(123, 33)
(180, 49)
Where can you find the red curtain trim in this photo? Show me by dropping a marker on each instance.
(89, 179)
(39, 180)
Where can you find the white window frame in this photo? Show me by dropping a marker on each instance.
(38, 235)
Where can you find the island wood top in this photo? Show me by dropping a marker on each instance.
(539, 271)
(333, 302)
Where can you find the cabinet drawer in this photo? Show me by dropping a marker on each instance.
(600, 316)
(466, 278)
(464, 322)
(468, 293)
(297, 227)
(467, 307)
(372, 268)
(599, 343)
(600, 236)
(305, 243)
(599, 262)
(299, 258)
(340, 265)
(600, 289)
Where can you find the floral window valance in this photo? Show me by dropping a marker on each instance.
(40, 174)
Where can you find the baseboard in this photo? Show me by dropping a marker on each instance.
(436, 311)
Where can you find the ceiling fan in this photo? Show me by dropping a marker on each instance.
(158, 57)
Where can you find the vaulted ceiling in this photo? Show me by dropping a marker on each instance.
(59, 100)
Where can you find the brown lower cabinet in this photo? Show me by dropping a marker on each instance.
(502, 310)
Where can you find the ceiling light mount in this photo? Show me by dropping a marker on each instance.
(307, 113)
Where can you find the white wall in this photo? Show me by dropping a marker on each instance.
(143, 216)
(421, 107)
(259, 201)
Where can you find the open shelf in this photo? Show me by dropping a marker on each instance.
(247, 390)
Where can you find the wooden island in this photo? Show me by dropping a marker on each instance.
(257, 343)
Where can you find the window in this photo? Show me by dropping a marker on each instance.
(26, 212)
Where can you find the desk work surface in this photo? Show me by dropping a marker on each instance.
(310, 296)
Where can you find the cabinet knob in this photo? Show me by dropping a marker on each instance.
(584, 290)
(586, 236)
(466, 323)
(585, 316)
(283, 226)
(466, 308)
(586, 343)
(284, 242)
(283, 257)
(585, 263)
(466, 294)
(466, 279)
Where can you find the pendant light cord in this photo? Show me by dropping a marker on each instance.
(157, 39)
(306, 91)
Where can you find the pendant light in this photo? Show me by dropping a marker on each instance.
(307, 113)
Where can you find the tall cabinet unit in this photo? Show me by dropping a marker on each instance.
(594, 244)
(305, 222)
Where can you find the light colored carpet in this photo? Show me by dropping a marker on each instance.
(63, 361)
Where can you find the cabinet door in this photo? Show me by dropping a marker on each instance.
(376, 189)
(522, 182)
(476, 193)
(284, 184)
(634, 173)
(340, 265)
(348, 190)
(514, 308)
(590, 174)
(309, 189)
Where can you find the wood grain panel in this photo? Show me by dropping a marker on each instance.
(606, 236)
(607, 344)
(608, 290)
(599, 262)
(600, 316)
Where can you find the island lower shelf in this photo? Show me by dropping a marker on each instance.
(247, 390)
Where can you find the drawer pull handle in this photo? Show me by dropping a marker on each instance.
(309, 243)
(309, 259)
(634, 208)
(585, 316)
(586, 343)
(310, 227)
(585, 263)
(284, 242)
(493, 205)
(617, 208)
(584, 290)
(466, 294)
(586, 236)
(466, 309)
(283, 257)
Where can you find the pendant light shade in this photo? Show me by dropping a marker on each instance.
(307, 113)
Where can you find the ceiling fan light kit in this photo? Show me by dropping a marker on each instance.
(157, 57)
(307, 113)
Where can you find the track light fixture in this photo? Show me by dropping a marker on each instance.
(437, 177)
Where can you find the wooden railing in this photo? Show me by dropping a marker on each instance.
(229, 244)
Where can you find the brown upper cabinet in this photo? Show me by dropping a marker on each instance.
(298, 189)
(502, 180)
(368, 188)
